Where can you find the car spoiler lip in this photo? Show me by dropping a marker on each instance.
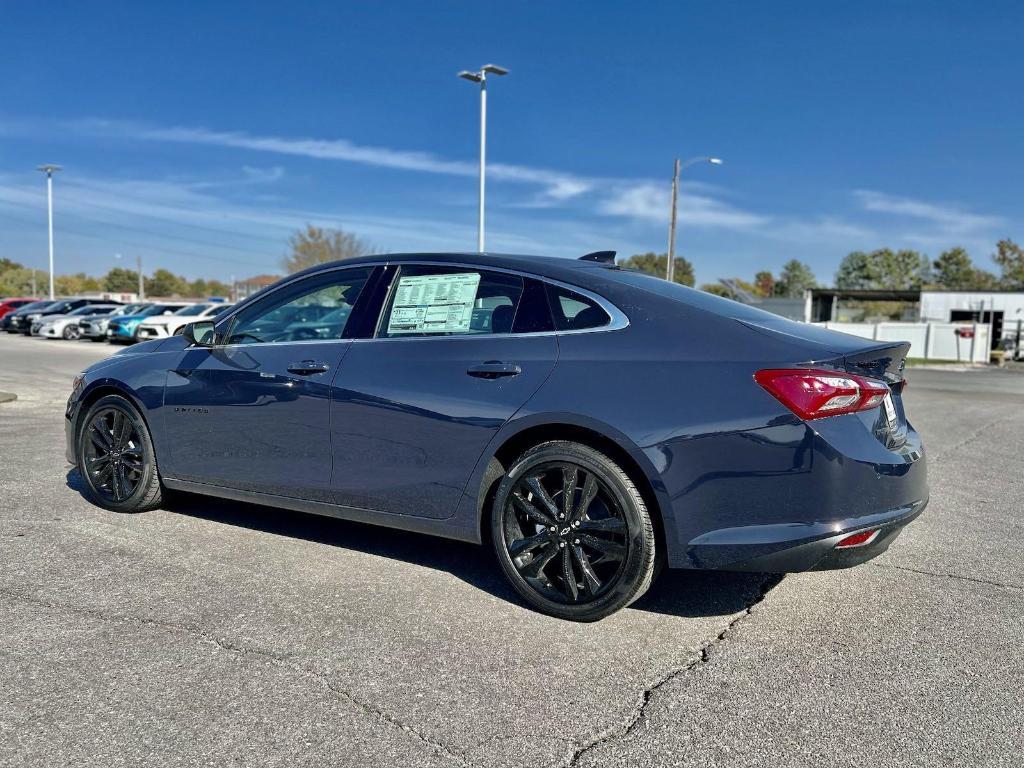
(881, 359)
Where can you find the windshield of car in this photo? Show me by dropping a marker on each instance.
(36, 305)
(129, 309)
(158, 309)
(193, 309)
(89, 309)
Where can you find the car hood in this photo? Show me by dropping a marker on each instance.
(132, 318)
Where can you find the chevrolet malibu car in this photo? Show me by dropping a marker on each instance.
(588, 422)
(121, 330)
(94, 327)
(161, 326)
(66, 326)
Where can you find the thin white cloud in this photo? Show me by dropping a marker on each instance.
(950, 219)
(632, 198)
(651, 201)
(559, 186)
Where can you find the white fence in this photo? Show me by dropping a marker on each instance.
(932, 341)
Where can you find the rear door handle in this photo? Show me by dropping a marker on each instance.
(307, 367)
(493, 369)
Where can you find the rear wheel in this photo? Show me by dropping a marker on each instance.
(572, 532)
(116, 457)
(71, 332)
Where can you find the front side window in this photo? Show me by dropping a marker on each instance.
(450, 301)
(315, 308)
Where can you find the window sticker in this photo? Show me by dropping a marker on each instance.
(434, 303)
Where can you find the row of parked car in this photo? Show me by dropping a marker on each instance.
(102, 319)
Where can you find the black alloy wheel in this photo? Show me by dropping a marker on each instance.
(572, 532)
(115, 456)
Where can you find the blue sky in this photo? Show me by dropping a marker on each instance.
(201, 134)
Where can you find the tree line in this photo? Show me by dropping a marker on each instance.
(792, 281)
(16, 280)
(881, 269)
(885, 269)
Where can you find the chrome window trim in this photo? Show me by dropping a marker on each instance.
(618, 320)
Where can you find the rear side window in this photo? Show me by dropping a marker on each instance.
(450, 301)
(573, 312)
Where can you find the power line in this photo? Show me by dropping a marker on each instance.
(147, 247)
(225, 214)
(150, 233)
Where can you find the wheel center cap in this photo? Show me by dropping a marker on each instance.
(565, 531)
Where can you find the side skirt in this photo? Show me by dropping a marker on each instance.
(442, 528)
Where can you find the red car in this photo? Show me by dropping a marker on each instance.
(9, 305)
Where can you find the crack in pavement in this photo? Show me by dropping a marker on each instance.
(943, 455)
(955, 577)
(267, 655)
(625, 729)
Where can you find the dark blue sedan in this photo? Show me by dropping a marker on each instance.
(590, 423)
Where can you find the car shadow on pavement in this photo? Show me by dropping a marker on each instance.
(675, 593)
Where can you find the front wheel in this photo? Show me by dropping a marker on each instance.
(72, 332)
(116, 458)
(572, 532)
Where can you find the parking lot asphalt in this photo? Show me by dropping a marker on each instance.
(219, 633)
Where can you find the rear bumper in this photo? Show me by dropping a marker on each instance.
(778, 499)
(822, 555)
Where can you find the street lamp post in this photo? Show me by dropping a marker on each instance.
(670, 268)
(49, 170)
(138, 268)
(481, 77)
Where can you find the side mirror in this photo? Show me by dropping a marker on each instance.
(200, 333)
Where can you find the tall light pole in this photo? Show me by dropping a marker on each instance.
(49, 170)
(480, 76)
(670, 268)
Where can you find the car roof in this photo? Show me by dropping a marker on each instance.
(556, 267)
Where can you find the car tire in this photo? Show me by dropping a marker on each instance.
(116, 457)
(582, 561)
(71, 332)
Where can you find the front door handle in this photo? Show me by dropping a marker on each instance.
(494, 369)
(307, 367)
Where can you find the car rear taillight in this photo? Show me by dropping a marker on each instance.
(815, 394)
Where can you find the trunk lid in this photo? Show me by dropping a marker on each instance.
(883, 360)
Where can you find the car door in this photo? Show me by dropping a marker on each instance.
(456, 352)
(253, 411)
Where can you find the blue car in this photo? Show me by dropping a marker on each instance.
(121, 329)
(588, 422)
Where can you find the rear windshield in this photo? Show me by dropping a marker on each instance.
(699, 299)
